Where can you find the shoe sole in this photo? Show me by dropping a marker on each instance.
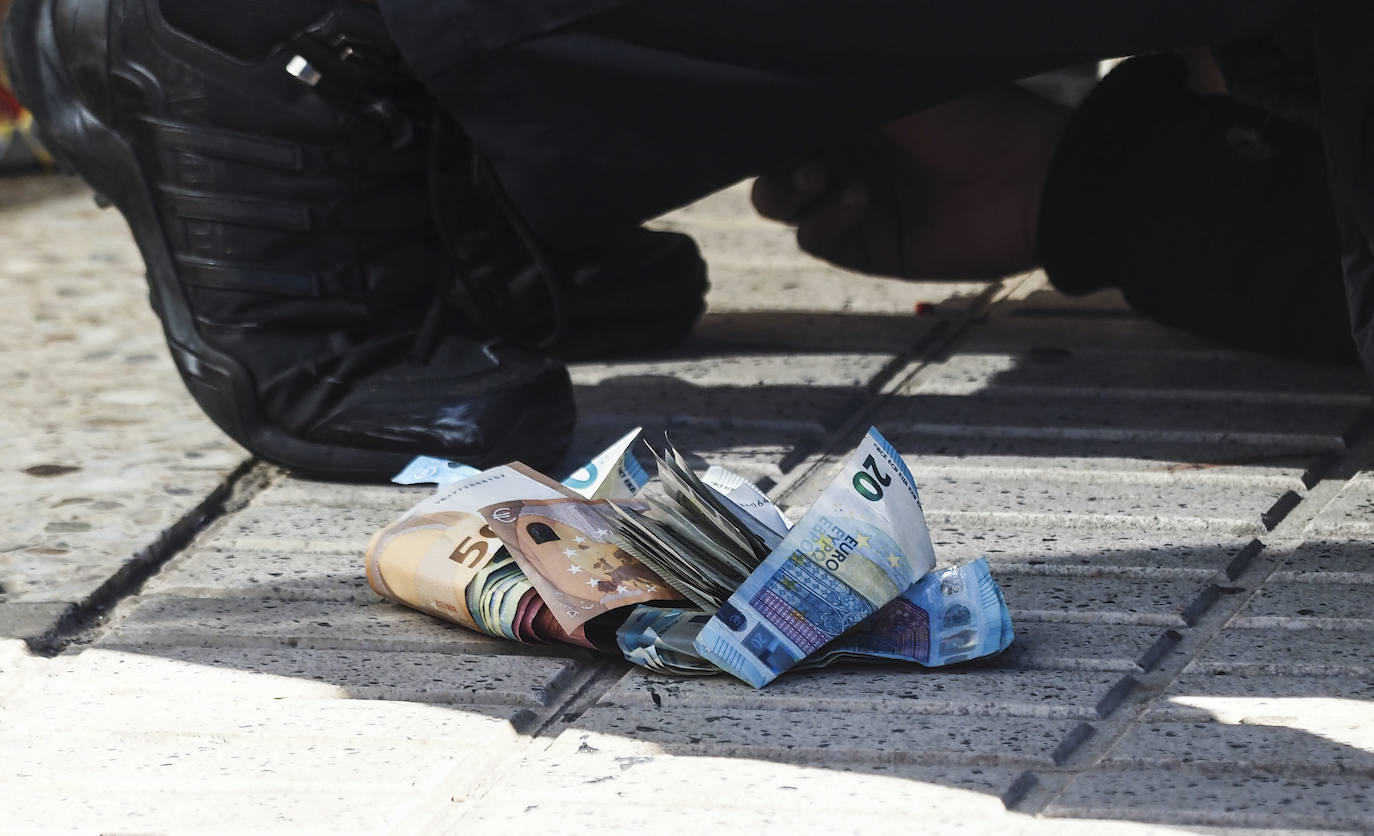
(83, 144)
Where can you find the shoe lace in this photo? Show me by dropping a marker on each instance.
(432, 326)
(491, 304)
(551, 277)
(356, 75)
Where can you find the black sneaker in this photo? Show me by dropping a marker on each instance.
(282, 205)
(637, 292)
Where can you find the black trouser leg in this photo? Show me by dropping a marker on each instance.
(611, 120)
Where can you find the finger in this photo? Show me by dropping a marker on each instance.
(832, 229)
(784, 194)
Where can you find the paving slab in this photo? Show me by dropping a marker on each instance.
(1319, 560)
(1008, 499)
(272, 673)
(1176, 476)
(265, 622)
(1240, 800)
(1351, 514)
(302, 719)
(742, 240)
(1241, 696)
(966, 397)
(803, 333)
(896, 690)
(778, 396)
(866, 810)
(820, 737)
(1289, 651)
(299, 529)
(296, 540)
(804, 286)
(206, 755)
(1046, 332)
(275, 809)
(28, 620)
(1111, 469)
(1315, 600)
(756, 265)
(99, 424)
(1015, 451)
(1088, 417)
(75, 540)
(17, 669)
(768, 372)
(757, 456)
(749, 410)
(1176, 554)
(130, 763)
(1039, 299)
(285, 575)
(1000, 503)
(589, 789)
(1067, 645)
(1098, 600)
(291, 492)
(1251, 747)
(1124, 376)
(1161, 501)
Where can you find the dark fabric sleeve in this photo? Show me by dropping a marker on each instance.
(1209, 215)
(438, 37)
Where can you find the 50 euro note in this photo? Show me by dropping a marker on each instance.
(567, 548)
(443, 558)
(429, 558)
(862, 544)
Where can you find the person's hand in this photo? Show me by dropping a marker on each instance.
(1204, 76)
(950, 192)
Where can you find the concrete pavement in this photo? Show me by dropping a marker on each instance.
(1183, 535)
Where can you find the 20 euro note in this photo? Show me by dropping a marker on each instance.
(863, 542)
(951, 615)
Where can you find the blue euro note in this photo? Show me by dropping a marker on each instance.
(949, 616)
(862, 544)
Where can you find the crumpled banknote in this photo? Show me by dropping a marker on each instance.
(695, 574)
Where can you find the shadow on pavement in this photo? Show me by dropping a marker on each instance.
(1085, 713)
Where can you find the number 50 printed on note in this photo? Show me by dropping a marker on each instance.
(862, 544)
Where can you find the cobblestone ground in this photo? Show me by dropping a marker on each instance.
(1182, 533)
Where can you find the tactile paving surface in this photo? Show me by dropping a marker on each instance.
(1182, 533)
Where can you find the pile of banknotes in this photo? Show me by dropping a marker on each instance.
(690, 574)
